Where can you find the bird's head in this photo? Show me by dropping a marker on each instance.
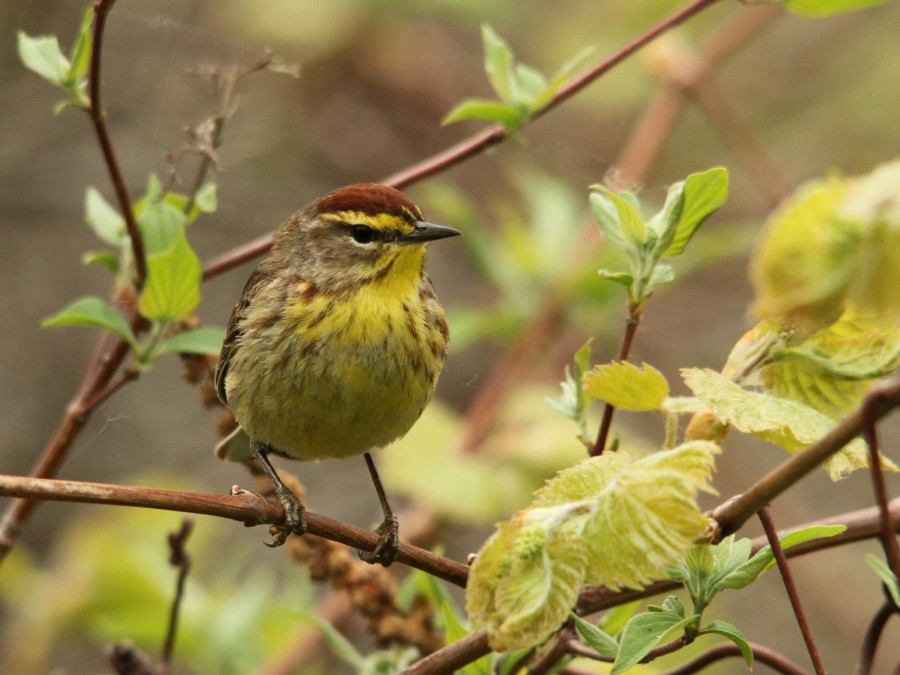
(358, 234)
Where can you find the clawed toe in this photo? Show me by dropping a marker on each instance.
(388, 547)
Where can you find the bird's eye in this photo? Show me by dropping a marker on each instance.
(362, 234)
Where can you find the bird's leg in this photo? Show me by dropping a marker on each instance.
(388, 546)
(294, 513)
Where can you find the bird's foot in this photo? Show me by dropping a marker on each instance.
(294, 518)
(388, 547)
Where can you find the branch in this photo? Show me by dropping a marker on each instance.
(246, 507)
(791, 588)
(98, 117)
(862, 524)
(484, 139)
(731, 515)
(631, 325)
(873, 635)
(726, 650)
(180, 559)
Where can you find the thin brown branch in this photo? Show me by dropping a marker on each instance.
(551, 657)
(98, 117)
(873, 635)
(888, 538)
(769, 657)
(484, 139)
(731, 515)
(631, 326)
(736, 134)
(862, 524)
(246, 507)
(788, 578)
(181, 560)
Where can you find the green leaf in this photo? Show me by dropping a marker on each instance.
(789, 424)
(872, 205)
(600, 641)
(624, 385)
(560, 77)
(644, 632)
(832, 369)
(704, 194)
(104, 220)
(529, 84)
(623, 278)
(614, 620)
(106, 259)
(747, 572)
(205, 201)
(684, 405)
(43, 56)
(661, 274)
(340, 646)
(820, 8)
(731, 632)
(92, 312)
(81, 50)
(573, 401)
(498, 63)
(205, 340)
(161, 225)
(489, 111)
(619, 219)
(527, 577)
(886, 575)
(172, 290)
(454, 630)
(805, 258)
(606, 521)
(665, 223)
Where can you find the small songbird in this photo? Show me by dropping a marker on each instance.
(336, 344)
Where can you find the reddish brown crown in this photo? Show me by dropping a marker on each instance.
(371, 199)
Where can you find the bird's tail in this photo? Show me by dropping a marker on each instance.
(235, 447)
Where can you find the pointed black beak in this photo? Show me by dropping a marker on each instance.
(428, 232)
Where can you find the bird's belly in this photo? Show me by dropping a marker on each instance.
(328, 398)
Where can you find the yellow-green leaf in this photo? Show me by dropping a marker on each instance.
(806, 258)
(873, 206)
(820, 8)
(172, 290)
(704, 194)
(92, 312)
(607, 521)
(789, 424)
(624, 385)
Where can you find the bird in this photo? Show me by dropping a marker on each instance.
(336, 343)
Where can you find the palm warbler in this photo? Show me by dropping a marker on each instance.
(336, 343)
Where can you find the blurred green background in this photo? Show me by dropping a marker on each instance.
(812, 97)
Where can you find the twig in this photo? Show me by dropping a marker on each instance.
(781, 560)
(731, 515)
(577, 648)
(726, 650)
(631, 326)
(873, 635)
(246, 507)
(548, 661)
(732, 129)
(888, 538)
(98, 117)
(484, 139)
(179, 558)
(862, 524)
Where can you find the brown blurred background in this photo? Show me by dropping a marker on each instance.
(798, 100)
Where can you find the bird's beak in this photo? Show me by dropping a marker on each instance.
(427, 232)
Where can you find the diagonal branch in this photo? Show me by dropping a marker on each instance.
(486, 138)
(246, 507)
(98, 117)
